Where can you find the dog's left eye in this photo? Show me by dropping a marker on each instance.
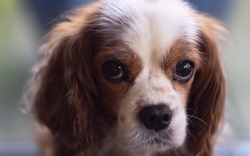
(183, 71)
(114, 71)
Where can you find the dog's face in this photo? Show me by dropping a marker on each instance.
(145, 71)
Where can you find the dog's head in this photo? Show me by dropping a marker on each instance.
(149, 71)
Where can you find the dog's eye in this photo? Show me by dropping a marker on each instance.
(114, 71)
(183, 71)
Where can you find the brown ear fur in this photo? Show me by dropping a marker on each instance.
(207, 98)
(64, 98)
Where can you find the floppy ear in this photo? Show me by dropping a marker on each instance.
(65, 89)
(207, 97)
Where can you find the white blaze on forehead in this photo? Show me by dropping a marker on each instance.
(154, 25)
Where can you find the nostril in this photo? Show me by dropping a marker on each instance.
(156, 117)
(166, 118)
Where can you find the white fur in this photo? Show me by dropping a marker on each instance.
(154, 26)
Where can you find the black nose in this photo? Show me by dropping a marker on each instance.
(155, 117)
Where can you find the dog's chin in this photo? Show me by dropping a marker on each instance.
(156, 145)
(150, 145)
(152, 141)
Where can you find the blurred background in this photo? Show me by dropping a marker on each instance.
(24, 22)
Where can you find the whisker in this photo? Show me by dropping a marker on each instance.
(190, 134)
(107, 125)
(191, 122)
(193, 111)
(192, 116)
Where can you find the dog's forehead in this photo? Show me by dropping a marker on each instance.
(150, 27)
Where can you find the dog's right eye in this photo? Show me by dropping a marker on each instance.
(114, 71)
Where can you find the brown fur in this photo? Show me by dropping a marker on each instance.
(207, 99)
(65, 99)
(179, 50)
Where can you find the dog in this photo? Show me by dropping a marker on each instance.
(130, 78)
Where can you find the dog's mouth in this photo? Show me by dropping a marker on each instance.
(157, 141)
(153, 145)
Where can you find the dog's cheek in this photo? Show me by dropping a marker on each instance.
(178, 126)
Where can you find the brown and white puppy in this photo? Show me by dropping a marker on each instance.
(131, 78)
